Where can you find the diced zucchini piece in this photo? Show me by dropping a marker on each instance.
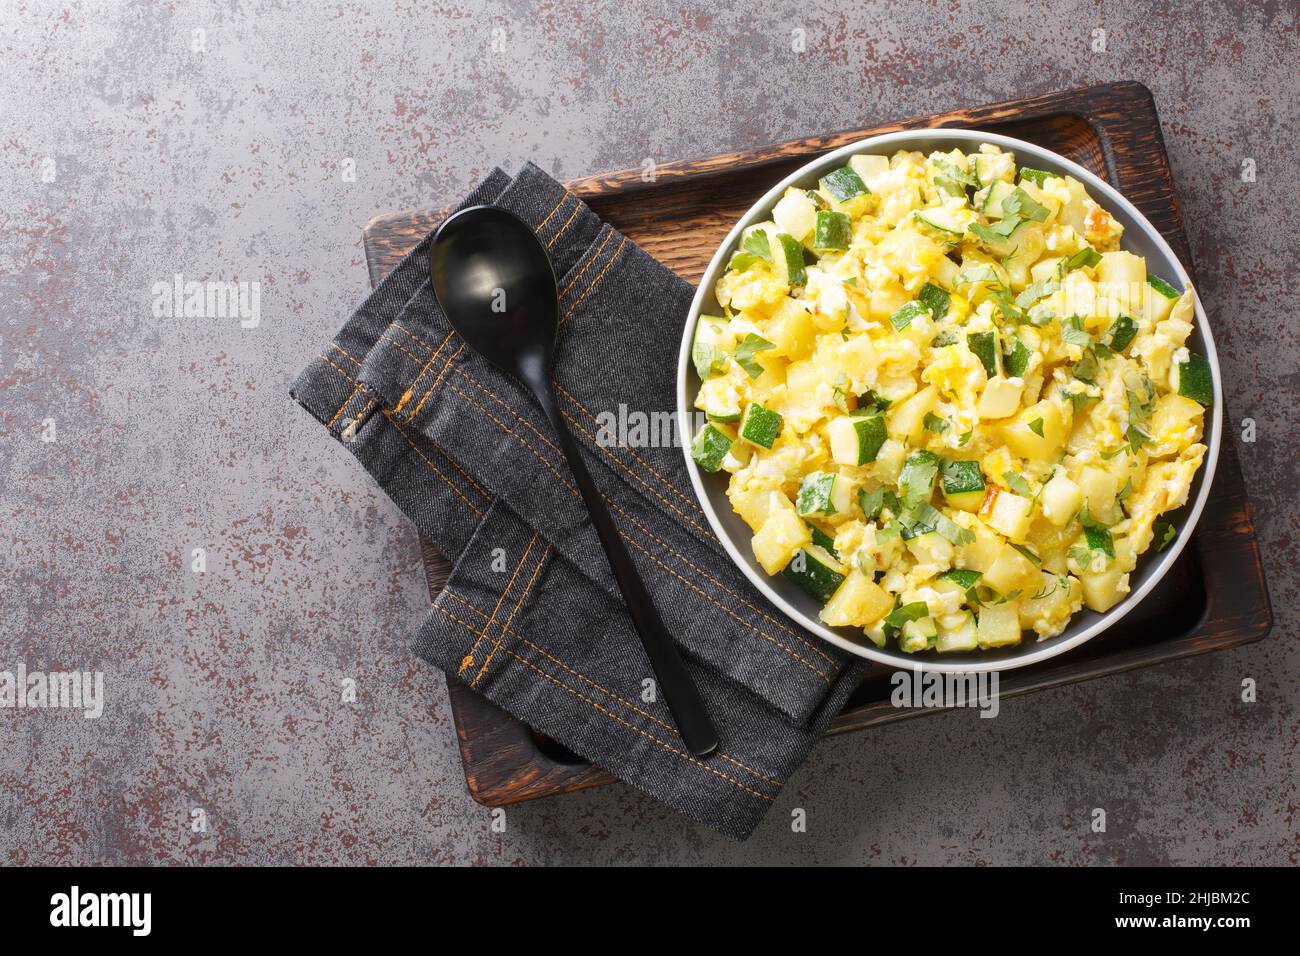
(984, 345)
(902, 318)
(962, 637)
(815, 571)
(787, 260)
(719, 399)
(843, 183)
(935, 298)
(817, 494)
(832, 231)
(943, 223)
(999, 626)
(1195, 381)
(917, 635)
(710, 447)
(710, 346)
(1016, 361)
(856, 440)
(963, 484)
(916, 483)
(858, 602)
(1120, 334)
(760, 425)
(1163, 287)
(822, 539)
(993, 201)
(1035, 176)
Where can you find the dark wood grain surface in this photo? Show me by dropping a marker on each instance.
(1213, 598)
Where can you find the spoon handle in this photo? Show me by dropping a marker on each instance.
(679, 691)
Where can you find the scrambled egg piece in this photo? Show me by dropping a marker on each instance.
(951, 407)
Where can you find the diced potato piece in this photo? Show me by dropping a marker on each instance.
(1000, 398)
(754, 505)
(1053, 609)
(1010, 515)
(857, 602)
(795, 214)
(998, 626)
(781, 536)
(1011, 572)
(1123, 277)
(791, 330)
(931, 548)
(1022, 435)
(1102, 590)
(979, 553)
(1099, 494)
(1061, 499)
(1176, 421)
(889, 460)
(907, 419)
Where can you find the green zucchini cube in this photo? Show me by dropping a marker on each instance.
(963, 484)
(1120, 334)
(1195, 380)
(856, 440)
(787, 260)
(710, 447)
(760, 426)
(817, 494)
(832, 231)
(843, 184)
(815, 571)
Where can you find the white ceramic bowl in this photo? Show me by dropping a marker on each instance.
(1140, 237)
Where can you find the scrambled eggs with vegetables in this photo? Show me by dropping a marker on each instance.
(951, 408)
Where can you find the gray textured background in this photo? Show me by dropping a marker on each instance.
(177, 433)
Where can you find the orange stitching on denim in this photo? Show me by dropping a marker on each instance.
(523, 558)
(605, 690)
(596, 281)
(661, 542)
(345, 354)
(563, 199)
(510, 431)
(410, 389)
(416, 339)
(351, 395)
(398, 345)
(705, 574)
(523, 596)
(482, 388)
(437, 379)
(346, 375)
(568, 222)
(451, 484)
(632, 474)
(649, 736)
(664, 478)
(590, 262)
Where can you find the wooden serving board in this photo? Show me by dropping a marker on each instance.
(1213, 598)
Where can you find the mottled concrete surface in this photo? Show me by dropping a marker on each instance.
(129, 155)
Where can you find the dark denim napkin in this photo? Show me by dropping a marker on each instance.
(531, 615)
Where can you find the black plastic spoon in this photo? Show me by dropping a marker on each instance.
(494, 281)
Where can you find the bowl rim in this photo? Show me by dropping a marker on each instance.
(1105, 194)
